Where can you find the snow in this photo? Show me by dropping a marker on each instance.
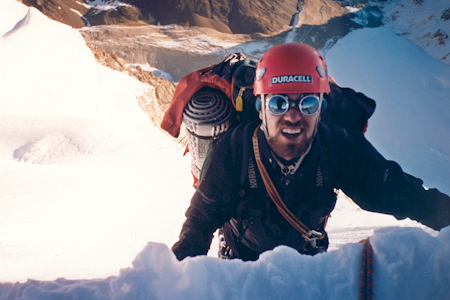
(412, 91)
(101, 5)
(421, 22)
(74, 141)
(92, 195)
(278, 274)
(352, 9)
(155, 71)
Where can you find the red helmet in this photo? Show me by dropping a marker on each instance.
(291, 68)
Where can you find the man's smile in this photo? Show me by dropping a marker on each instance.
(292, 131)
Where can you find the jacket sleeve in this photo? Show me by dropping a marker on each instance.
(211, 205)
(379, 185)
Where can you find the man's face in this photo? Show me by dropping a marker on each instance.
(290, 134)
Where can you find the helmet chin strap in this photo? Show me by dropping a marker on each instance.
(264, 118)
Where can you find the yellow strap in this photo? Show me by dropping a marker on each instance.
(240, 101)
(239, 104)
(273, 193)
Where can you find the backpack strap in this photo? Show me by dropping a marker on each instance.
(245, 151)
(243, 175)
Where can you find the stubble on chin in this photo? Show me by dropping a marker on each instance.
(290, 150)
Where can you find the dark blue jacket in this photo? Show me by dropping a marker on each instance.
(338, 159)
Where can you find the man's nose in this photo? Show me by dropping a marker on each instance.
(293, 115)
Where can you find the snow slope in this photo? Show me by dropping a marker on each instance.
(87, 182)
(425, 23)
(412, 91)
(77, 152)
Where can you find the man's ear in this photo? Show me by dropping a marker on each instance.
(324, 106)
(258, 107)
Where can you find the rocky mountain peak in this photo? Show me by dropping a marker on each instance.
(228, 16)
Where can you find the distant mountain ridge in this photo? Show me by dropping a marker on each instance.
(219, 27)
(228, 16)
(425, 22)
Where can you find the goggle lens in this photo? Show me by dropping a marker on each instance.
(309, 105)
(279, 104)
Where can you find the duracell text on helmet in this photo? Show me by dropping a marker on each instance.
(291, 78)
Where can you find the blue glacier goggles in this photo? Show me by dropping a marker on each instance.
(307, 104)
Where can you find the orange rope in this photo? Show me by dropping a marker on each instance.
(366, 280)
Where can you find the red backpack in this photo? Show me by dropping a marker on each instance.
(234, 77)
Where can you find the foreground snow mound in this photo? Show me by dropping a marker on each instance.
(409, 264)
(279, 274)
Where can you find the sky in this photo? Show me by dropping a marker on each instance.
(93, 195)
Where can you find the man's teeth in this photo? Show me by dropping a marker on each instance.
(292, 131)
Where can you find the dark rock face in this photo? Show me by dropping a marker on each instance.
(229, 16)
(126, 15)
(240, 16)
(445, 15)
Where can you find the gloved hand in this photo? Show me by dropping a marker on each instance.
(441, 202)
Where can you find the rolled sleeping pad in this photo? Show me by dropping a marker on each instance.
(206, 116)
